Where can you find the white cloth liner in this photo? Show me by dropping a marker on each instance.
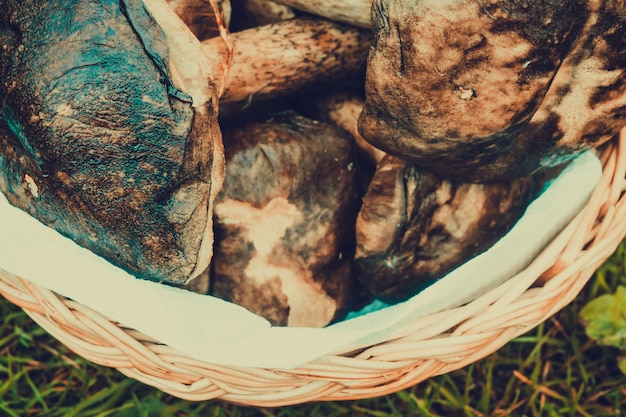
(219, 332)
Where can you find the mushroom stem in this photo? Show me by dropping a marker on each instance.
(286, 57)
(355, 12)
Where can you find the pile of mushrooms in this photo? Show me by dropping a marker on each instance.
(298, 158)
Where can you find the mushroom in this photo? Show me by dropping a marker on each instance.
(284, 221)
(492, 90)
(290, 56)
(117, 133)
(414, 226)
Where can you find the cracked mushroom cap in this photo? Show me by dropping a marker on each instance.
(492, 90)
(284, 221)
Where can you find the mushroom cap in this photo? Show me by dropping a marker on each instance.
(493, 90)
(117, 130)
(414, 226)
(284, 221)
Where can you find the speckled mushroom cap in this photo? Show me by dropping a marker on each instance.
(493, 90)
(284, 221)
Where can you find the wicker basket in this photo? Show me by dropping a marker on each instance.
(425, 347)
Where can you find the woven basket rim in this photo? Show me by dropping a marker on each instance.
(424, 347)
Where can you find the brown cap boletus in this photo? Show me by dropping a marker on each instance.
(287, 57)
(414, 226)
(108, 130)
(491, 90)
(284, 221)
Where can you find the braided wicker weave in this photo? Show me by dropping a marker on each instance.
(428, 346)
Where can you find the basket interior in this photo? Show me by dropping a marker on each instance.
(418, 348)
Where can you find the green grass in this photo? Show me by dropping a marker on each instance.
(555, 370)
